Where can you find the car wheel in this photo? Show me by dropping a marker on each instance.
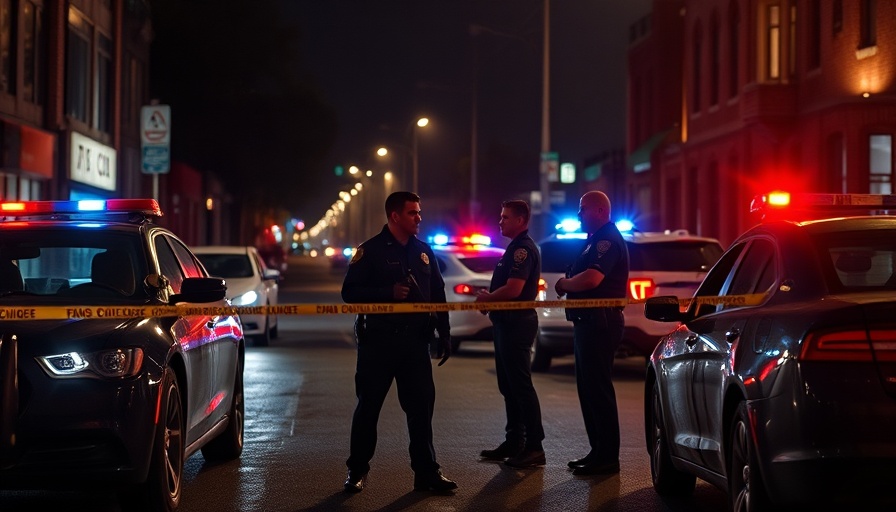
(275, 331)
(264, 339)
(667, 480)
(746, 491)
(229, 443)
(541, 357)
(162, 489)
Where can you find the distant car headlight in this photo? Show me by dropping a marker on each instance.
(116, 363)
(246, 299)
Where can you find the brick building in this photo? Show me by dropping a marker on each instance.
(730, 98)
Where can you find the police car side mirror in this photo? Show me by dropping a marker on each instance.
(663, 309)
(201, 290)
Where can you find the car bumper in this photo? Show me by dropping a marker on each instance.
(80, 431)
(470, 325)
(639, 338)
(831, 440)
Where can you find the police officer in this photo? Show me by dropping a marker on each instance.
(394, 266)
(516, 279)
(599, 272)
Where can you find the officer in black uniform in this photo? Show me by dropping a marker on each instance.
(516, 279)
(599, 272)
(394, 266)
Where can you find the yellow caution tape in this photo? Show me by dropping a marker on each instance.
(14, 313)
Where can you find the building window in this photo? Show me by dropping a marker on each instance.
(103, 93)
(773, 43)
(33, 52)
(89, 74)
(733, 51)
(791, 51)
(881, 164)
(7, 47)
(814, 34)
(837, 17)
(697, 74)
(77, 87)
(714, 62)
(868, 23)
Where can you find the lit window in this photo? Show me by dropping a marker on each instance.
(881, 164)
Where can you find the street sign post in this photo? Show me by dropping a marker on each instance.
(155, 138)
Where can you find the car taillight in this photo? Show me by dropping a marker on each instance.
(641, 288)
(542, 285)
(467, 289)
(850, 345)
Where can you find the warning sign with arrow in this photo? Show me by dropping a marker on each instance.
(155, 138)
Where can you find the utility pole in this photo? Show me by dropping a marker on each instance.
(546, 124)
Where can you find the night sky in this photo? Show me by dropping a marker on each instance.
(381, 64)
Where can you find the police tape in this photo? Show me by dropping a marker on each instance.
(23, 313)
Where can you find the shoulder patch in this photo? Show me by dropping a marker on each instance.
(602, 247)
(520, 255)
(359, 253)
(424, 258)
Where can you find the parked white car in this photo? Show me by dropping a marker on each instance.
(249, 283)
(467, 269)
(660, 263)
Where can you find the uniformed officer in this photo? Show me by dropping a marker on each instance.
(516, 279)
(394, 266)
(599, 272)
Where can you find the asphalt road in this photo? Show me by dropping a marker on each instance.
(299, 402)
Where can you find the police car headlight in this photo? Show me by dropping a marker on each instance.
(246, 299)
(116, 363)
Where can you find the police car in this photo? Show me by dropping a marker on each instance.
(111, 395)
(779, 384)
(664, 263)
(466, 265)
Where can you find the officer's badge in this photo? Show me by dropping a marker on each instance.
(602, 247)
(520, 255)
(425, 258)
(359, 253)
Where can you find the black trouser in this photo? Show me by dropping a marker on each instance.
(595, 342)
(515, 332)
(404, 357)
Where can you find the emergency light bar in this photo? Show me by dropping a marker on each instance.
(148, 207)
(780, 203)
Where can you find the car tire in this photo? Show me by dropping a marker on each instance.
(263, 339)
(746, 490)
(162, 489)
(541, 357)
(229, 443)
(275, 331)
(667, 480)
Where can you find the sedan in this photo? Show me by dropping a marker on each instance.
(779, 385)
(113, 395)
(467, 269)
(249, 283)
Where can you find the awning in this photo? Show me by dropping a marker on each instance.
(639, 159)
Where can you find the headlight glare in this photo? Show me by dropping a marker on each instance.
(115, 363)
(246, 299)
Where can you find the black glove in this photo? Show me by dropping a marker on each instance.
(444, 349)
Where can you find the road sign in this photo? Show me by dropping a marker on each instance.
(155, 138)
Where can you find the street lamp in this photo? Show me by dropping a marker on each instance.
(422, 122)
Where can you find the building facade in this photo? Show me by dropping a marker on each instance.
(758, 95)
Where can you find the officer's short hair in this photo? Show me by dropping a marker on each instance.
(519, 208)
(395, 201)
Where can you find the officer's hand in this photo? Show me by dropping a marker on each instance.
(480, 297)
(559, 288)
(444, 347)
(400, 291)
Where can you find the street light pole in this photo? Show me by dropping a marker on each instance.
(414, 156)
(546, 122)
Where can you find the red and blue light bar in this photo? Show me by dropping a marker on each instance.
(796, 206)
(143, 206)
